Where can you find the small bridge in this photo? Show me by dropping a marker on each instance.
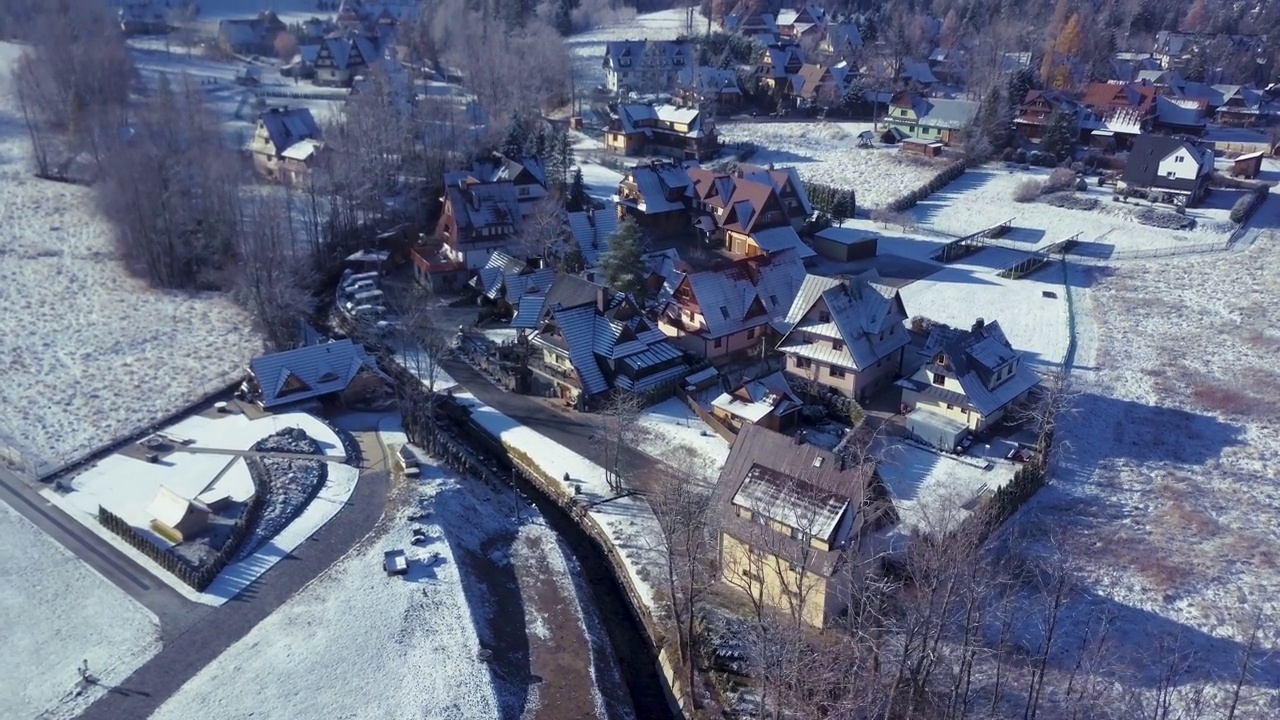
(972, 243)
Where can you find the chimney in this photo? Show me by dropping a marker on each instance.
(977, 326)
(591, 215)
(602, 299)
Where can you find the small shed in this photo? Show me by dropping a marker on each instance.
(1247, 165)
(845, 244)
(936, 430)
(395, 562)
(176, 518)
(924, 148)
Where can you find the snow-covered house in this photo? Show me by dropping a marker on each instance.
(1119, 112)
(591, 230)
(1181, 116)
(512, 283)
(752, 210)
(682, 133)
(656, 195)
(338, 368)
(930, 118)
(593, 346)
(286, 144)
(973, 376)
(1036, 112)
(806, 23)
(526, 175)
(848, 334)
(768, 402)
(819, 85)
(645, 66)
(256, 35)
(1168, 165)
(751, 23)
(778, 64)
(841, 41)
(733, 309)
(340, 58)
(709, 86)
(143, 18)
(485, 205)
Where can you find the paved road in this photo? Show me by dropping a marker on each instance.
(194, 634)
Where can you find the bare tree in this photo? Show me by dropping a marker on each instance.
(616, 431)
(543, 231)
(273, 280)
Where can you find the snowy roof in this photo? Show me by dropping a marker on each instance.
(747, 293)
(949, 113)
(864, 315)
(592, 229)
(918, 72)
(784, 237)
(627, 53)
(169, 508)
(483, 205)
(303, 150)
(288, 126)
(755, 399)
(844, 35)
(1180, 112)
(707, 79)
(663, 186)
(618, 339)
(636, 117)
(976, 358)
(309, 372)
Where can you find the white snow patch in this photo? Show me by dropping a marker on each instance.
(88, 340)
(670, 428)
(588, 47)
(54, 613)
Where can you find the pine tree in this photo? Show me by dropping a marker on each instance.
(517, 138)
(576, 200)
(622, 266)
(1060, 137)
(1020, 83)
(573, 261)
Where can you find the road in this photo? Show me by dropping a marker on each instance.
(194, 634)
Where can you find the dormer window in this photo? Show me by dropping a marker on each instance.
(939, 379)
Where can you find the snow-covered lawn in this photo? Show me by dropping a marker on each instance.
(959, 293)
(55, 612)
(983, 197)
(827, 152)
(126, 485)
(629, 522)
(99, 354)
(1164, 500)
(411, 645)
(588, 47)
(930, 490)
(672, 433)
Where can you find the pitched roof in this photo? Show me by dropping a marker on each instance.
(948, 113)
(1143, 166)
(784, 237)
(662, 185)
(592, 230)
(288, 126)
(1101, 97)
(730, 298)
(973, 357)
(755, 399)
(482, 205)
(309, 372)
(862, 313)
(708, 79)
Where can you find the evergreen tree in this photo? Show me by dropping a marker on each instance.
(573, 261)
(576, 200)
(1020, 83)
(995, 121)
(1060, 137)
(622, 266)
(517, 138)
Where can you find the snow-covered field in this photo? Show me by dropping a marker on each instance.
(959, 293)
(99, 353)
(126, 486)
(1163, 499)
(672, 433)
(827, 152)
(411, 645)
(984, 197)
(55, 612)
(588, 47)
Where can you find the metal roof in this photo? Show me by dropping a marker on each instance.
(309, 372)
(866, 316)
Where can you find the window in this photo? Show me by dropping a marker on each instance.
(719, 342)
(950, 406)
(939, 379)
(837, 345)
(751, 334)
(523, 192)
(802, 362)
(835, 372)
(1179, 159)
(724, 312)
(773, 299)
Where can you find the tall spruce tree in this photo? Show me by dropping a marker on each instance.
(622, 265)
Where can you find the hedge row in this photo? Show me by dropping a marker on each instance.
(1246, 206)
(835, 202)
(936, 183)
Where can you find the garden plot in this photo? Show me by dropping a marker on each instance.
(125, 484)
(827, 153)
(55, 612)
(958, 294)
(983, 197)
(672, 433)
(489, 575)
(1163, 497)
(100, 354)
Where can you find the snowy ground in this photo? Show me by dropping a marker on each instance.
(963, 291)
(588, 48)
(931, 490)
(827, 152)
(1163, 499)
(126, 485)
(101, 355)
(55, 613)
(984, 197)
(672, 433)
(628, 521)
(411, 645)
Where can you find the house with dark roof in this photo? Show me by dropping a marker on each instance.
(750, 210)
(591, 230)
(340, 58)
(972, 376)
(645, 66)
(286, 144)
(768, 402)
(805, 23)
(1169, 166)
(732, 309)
(592, 346)
(1181, 116)
(841, 41)
(340, 368)
(681, 133)
(793, 518)
(251, 36)
(847, 334)
(512, 284)
(1118, 112)
(656, 195)
(485, 205)
(915, 116)
(778, 64)
(819, 86)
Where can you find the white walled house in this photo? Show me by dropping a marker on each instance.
(1168, 165)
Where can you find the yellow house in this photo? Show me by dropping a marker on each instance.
(972, 376)
(792, 515)
(848, 334)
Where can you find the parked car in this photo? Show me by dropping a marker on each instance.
(367, 312)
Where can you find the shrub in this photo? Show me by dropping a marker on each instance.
(921, 325)
(1071, 201)
(1060, 179)
(1082, 184)
(1027, 191)
(1020, 156)
(1245, 206)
